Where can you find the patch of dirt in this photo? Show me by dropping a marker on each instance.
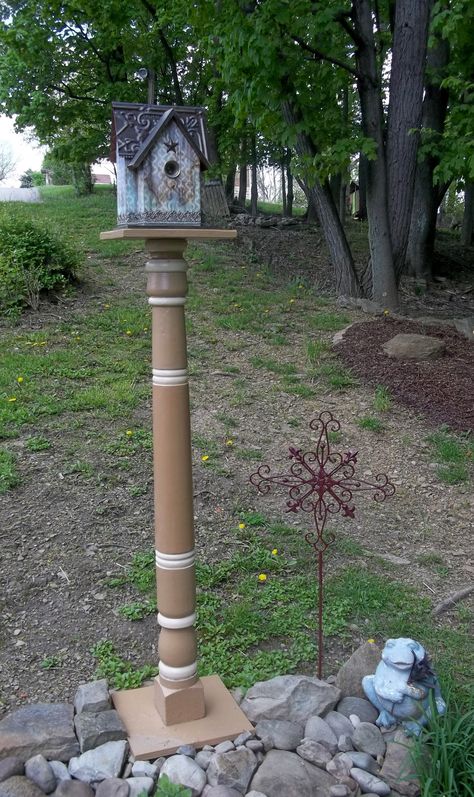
(442, 389)
(64, 534)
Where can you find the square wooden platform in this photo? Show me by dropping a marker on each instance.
(149, 737)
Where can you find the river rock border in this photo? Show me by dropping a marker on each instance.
(312, 738)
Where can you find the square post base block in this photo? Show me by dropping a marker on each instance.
(149, 737)
(180, 705)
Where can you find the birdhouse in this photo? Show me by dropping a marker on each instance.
(160, 152)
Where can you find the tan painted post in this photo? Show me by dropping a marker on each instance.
(178, 693)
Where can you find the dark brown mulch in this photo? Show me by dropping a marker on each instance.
(442, 389)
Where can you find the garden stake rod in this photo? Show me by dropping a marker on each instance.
(322, 482)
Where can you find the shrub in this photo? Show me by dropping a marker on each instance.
(32, 260)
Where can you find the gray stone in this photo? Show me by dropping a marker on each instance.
(60, 770)
(224, 747)
(19, 786)
(254, 793)
(39, 771)
(355, 720)
(318, 730)
(339, 790)
(234, 769)
(465, 326)
(238, 695)
(365, 761)
(369, 783)
(398, 769)
(222, 791)
(314, 752)
(339, 724)
(414, 347)
(242, 738)
(187, 749)
(158, 762)
(93, 696)
(284, 773)
(358, 706)
(96, 728)
(113, 787)
(143, 769)
(140, 786)
(363, 661)
(45, 728)
(340, 765)
(203, 757)
(104, 762)
(12, 765)
(344, 743)
(183, 770)
(281, 734)
(289, 697)
(368, 739)
(255, 745)
(73, 788)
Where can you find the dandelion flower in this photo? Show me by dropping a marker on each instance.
(386, 312)
(205, 457)
(129, 432)
(275, 552)
(262, 577)
(291, 301)
(12, 398)
(128, 332)
(19, 379)
(106, 306)
(229, 442)
(371, 641)
(241, 526)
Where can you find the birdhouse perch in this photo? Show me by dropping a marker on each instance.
(160, 152)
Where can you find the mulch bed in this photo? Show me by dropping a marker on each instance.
(442, 389)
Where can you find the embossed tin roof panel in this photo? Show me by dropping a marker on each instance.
(133, 123)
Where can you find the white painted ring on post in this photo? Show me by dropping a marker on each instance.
(175, 561)
(170, 376)
(178, 673)
(175, 623)
(166, 301)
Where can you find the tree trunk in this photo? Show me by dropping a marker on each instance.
(283, 188)
(363, 166)
(289, 186)
(230, 184)
(404, 117)
(254, 186)
(467, 229)
(384, 287)
(426, 197)
(243, 184)
(342, 201)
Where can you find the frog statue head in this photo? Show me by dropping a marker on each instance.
(404, 687)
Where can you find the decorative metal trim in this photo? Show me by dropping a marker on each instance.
(133, 124)
(160, 218)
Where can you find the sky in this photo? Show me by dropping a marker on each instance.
(26, 154)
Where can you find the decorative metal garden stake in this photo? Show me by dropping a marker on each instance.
(322, 482)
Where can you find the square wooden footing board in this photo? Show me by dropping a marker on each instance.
(149, 737)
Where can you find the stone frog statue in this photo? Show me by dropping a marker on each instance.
(402, 686)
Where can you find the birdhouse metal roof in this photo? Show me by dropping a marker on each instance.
(135, 128)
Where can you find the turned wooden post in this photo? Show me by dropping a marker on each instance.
(178, 692)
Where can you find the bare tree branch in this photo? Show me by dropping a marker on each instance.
(7, 162)
(320, 56)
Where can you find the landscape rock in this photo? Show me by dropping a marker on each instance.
(358, 706)
(139, 786)
(365, 761)
(314, 752)
(367, 738)
(339, 724)
(39, 771)
(96, 728)
(104, 762)
(224, 747)
(113, 787)
(187, 749)
(73, 788)
(221, 791)
(409, 346)
(234, 769)
(281, 734)
(243, 738)
(465, 326)
(19, 786)
(93, 696)
(398, 769)
(181, 769)
(344, 743)
(255, 745)
(289, 697)
(45, 728)
(317, 729)
(203, 758)
(60, 770)
(370, 783)
(254, 793)
(284, 773)
(340, 766)
(12, 765)
(339, 790)
(363, 661)
(143, 769)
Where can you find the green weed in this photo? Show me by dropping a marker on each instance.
(371, 423)
(138, 609)
(328, 321)
(9, 476)
(455, 455)
(38, 443)
(119, 673)
(51, 662)
(382, 399)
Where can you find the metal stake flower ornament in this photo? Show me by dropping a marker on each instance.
(322, 482)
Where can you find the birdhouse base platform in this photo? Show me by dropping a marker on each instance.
(149, 737)
(168, 232)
